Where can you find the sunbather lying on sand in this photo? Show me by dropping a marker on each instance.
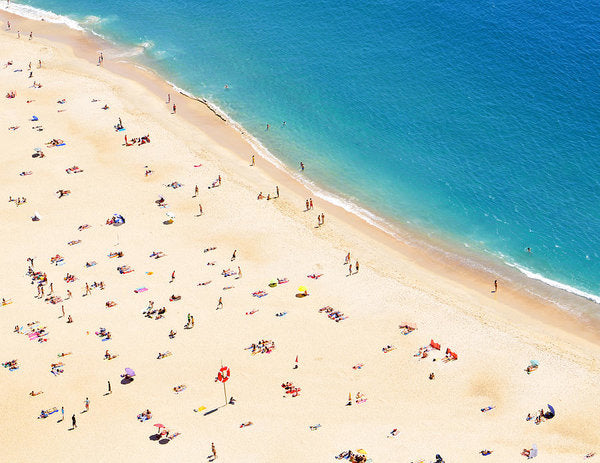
(144, 416)
(47, 413)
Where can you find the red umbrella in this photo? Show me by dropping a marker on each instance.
(158, 425)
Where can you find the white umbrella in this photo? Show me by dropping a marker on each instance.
(170, 215)
(534, 451)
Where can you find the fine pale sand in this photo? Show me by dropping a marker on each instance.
(495, 336)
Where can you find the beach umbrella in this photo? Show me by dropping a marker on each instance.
(550, 414)
(534, 451)
(129, 371)
(302, 289)
(170, 215)
(273, 283)
(158, 425)
(534, 363)
(361, 451)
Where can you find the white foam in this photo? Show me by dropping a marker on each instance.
(555, 284)
(38, 14)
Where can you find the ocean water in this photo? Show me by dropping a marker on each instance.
(474, 123)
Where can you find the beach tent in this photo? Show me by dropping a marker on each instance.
(118, 218)
(550, 413)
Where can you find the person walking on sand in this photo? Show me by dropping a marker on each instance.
(277, 191)
(109, 389)
(87, 404)
(347, 259)
(196, 191)
(239, 272)
(495, 286)
(356, 267)
(62, 411)
(200, 209)
(174, 108)
(310, 202)
(233, 255)
(252, 162)
(220, 303)
(74, 421)
(63, 310)
(350, 270)
(172, 277)
(323, 219)
(30, 35)
(214, 451)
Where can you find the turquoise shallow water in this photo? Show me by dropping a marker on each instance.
(475, 123)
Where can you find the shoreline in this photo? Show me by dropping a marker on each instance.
(534, 298)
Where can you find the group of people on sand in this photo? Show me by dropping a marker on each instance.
(18, 201)
(351, 456)
(140, 141)
(264, 346)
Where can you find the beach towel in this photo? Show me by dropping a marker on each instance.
(140, 290)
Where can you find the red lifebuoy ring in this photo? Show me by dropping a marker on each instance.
(224, 374)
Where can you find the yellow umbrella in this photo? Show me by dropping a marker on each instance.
(361, 451)
(302, 289)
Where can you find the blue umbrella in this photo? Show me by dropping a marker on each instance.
(551, 413)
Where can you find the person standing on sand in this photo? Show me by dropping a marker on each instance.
(87, 404)
(233, 256)
(252, 162)
(200, 208)
(174, 108)
(74, 420)
(307, 205)
(310, 202)
(195, 191)
(168, 98)
(87, 290)
(172, 277)
(30, 35)
(109, 389)
(356, 266)
(350, 270)
(62, 410)
(214, 451)
(239, 272)
(63, 310)
(495, 286)
(277, 191)
(220, 303)
(323, 219)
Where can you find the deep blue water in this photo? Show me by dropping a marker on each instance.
(477, 122)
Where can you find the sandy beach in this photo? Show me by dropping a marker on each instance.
(355, 380)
